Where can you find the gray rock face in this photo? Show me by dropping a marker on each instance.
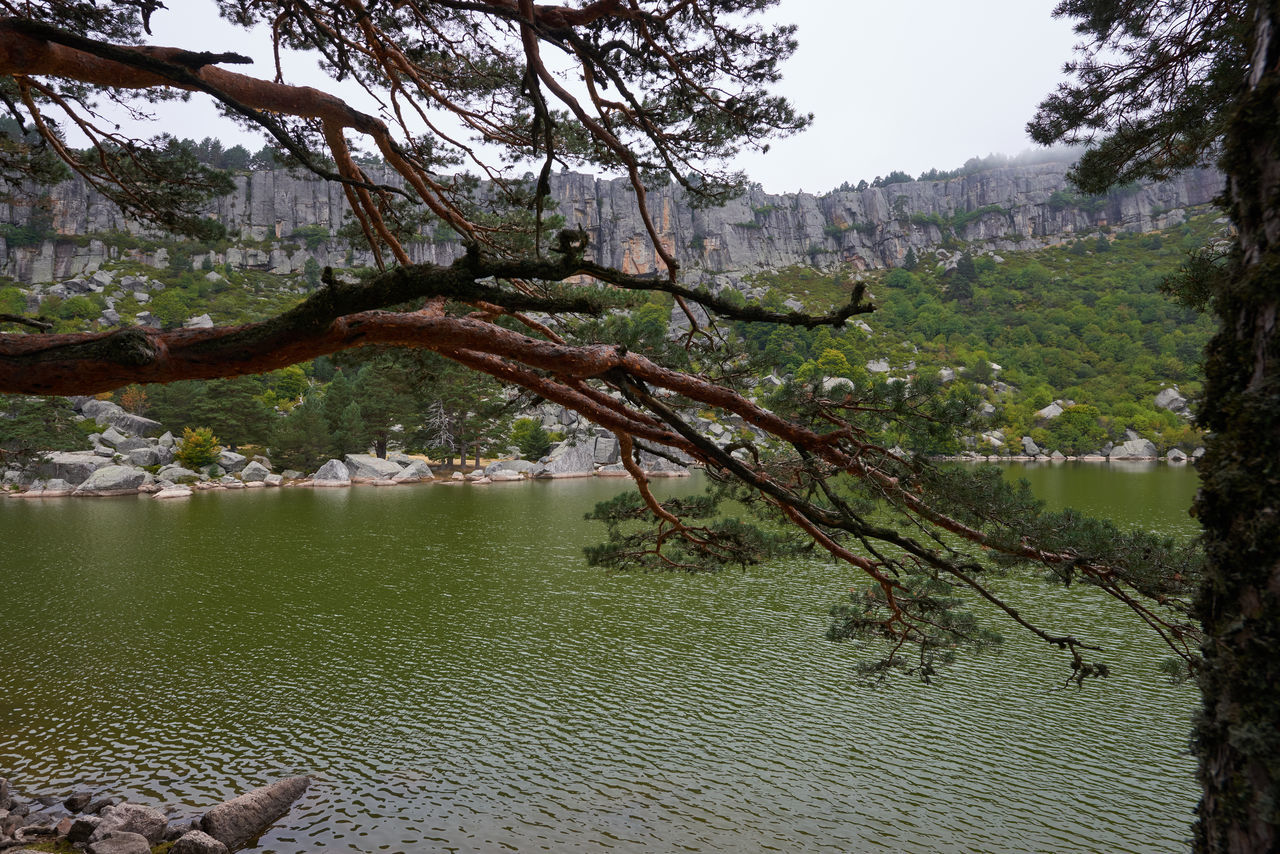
(113, 437)
(654, 464)
(1134, 449)
(243, 819)
(197, 842)
(120, 842)
(177, 473)
(202, 321)
(73, 467)
(367, 465)
(1029, 447)
(107, 412)
(254, 472)
(232, 462)
(112, 479)
(414, 470)
(1171, 400)
(571, 460)
(607, 451)
(143, 457)
(780, 230)
(146, 821)
(332, 473)
(1053, 410)
(518, 466)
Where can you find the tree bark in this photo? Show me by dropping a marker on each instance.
(1237, 738)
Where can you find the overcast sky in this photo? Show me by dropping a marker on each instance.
(910, 85)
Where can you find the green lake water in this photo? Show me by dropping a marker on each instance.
(455, 678)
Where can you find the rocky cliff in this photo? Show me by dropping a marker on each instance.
(998, 210)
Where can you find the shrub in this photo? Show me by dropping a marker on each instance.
(199, 448)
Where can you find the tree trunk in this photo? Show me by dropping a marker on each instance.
(380, 447)
(1237, 738)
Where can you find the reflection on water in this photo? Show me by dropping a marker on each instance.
(453, 676)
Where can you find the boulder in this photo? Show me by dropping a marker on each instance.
(517, 466)
(241, 820)
(254, 472)
(367, 465)
(201, 321)
(661, 466)
(146, 821)
(1030, 448)
(131, 443)
(1053, 410)
(1176, 456)
(232, 462)
(615, 470)
(119, 842)
(174, 492)
(946, 375)
(1173, 401)
(273, 480)
(111, 436)
(143, 457)
(457, 475)
(413, 471)
(82, 829)
(112, 480)
(1134, 449)
(166, 440)
(505, 475)
(177, 473)
(332, 473)
(291, 474)
(107, 412)
(197, 842)
(570, 460)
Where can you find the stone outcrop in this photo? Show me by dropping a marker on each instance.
(146, 821)
(111, 480)
(241, 820)
(1000, 209)
(371, 467)
(197, 842)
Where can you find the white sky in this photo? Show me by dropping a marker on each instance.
(892, 84)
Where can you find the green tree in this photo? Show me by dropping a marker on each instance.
(30, 425)
(301, 440)
(351, 435)
(531, 438)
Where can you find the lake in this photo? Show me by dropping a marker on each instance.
(455, 678)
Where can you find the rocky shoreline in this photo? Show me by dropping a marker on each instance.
(100, 823)
(131, 455)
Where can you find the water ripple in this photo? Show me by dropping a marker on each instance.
(456, 680)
